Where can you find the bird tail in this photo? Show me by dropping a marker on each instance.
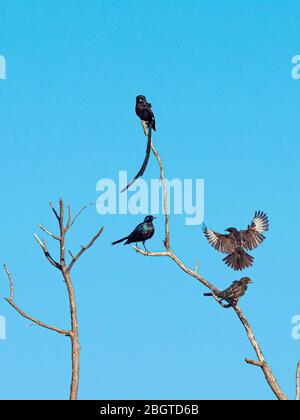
(119, 241)
(145, 163)
(239, 260)
(207, 294)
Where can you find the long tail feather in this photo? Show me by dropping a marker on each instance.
(119, 241)
(144, 165)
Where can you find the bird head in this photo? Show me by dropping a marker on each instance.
(246, 280)
(141, 99)
(149, 219)
(231, 230)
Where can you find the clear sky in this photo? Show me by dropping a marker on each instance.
(218, 74)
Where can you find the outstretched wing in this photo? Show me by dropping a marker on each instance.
(253, 236)
(221, 243)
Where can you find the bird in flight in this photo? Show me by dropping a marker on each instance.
(234, 292)
(141, 233)
(143, 110)
(237, 242)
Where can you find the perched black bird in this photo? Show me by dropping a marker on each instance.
(234, 292)
(141, 233)
(236, 242)
(144, 111)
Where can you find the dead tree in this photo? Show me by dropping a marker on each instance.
(168, 252)
(65, 269)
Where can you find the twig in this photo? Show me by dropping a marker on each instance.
(79, 213)
(54, 211)
(11, 283)
(49, 233)
(253, 362)
(72, 256)
(46, 252)
(69, 218)
(84, 248)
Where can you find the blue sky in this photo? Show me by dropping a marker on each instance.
(218, 74)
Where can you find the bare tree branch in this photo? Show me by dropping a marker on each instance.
(69, 219)
(83, 249)
(253, 362)
(54, 211)
(169, 253)
(79, 214)
(166, 209)
(10, 300)
(65, 271)
(46, 252)
(48, 233)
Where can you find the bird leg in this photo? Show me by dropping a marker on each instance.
(145, 246)
(220, 302)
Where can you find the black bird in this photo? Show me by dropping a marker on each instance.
(236, 242)
(234, 292)
(144, 111)
(141, 233)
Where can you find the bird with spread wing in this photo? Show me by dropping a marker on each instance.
(237, 242)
